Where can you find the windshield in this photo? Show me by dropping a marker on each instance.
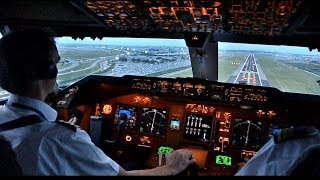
(122, 56)
(290, 69)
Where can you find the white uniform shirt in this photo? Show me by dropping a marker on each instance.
(279, 159)
(48, 148)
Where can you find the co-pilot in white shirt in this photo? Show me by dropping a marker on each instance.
(48, 148)
(280, 159)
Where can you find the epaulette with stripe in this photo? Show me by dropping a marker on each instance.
(286, 134)
(68, 125)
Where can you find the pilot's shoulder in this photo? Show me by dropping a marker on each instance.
(286, 134)
(68, 125)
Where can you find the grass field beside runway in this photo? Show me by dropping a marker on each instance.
(287, 77)
(99, 68)
(173, 73)
(311, 67)
(185, 73)
(83, 53)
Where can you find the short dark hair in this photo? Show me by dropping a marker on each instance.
(22, 54)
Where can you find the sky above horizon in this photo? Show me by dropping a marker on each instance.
(181, 43)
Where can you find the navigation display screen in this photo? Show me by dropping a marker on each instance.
(247, 133)
(153, 120)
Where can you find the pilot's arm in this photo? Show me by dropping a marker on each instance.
(258, 164)
(71, 152)
(280, 158)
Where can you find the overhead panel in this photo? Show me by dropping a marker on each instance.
(158, 15)
(236, 16)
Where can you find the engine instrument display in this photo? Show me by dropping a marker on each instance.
(247, 134)
(198, 128)
(153, 121)
(126, 114)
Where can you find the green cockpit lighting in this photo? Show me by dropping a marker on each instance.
(164, 150)
(223, 160)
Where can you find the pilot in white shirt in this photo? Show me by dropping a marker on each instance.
(47, 148)
(53, 145)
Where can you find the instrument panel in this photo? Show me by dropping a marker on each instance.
(220, 136)
(215, 120)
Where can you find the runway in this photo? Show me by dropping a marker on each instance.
(249, 73)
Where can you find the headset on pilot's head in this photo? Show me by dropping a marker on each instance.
(46, 67)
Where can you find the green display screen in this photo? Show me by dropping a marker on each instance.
(225, 160)
(164, 150)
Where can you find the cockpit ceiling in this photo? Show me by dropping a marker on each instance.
(289, 22)
(239, 17)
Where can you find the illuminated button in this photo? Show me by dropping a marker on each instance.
(128, 138)
(107, 109)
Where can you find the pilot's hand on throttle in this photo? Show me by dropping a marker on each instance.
(179, 160)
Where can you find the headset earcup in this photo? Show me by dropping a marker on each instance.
(53, 71)
(48, 71)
